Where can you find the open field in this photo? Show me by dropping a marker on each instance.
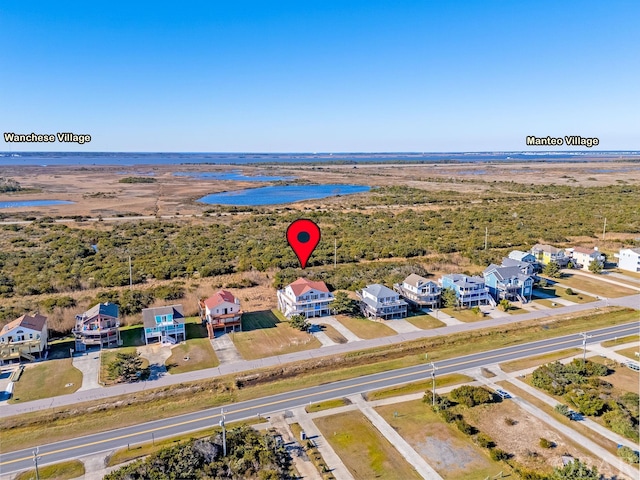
(364, 451)
(27, 430)
(366, 329)
(593, 285)
(57, 471)
(451, 453)
(463, 314)
(47, 379)
(538, 360)
(415, 387)
(425, 322)
(264, 335)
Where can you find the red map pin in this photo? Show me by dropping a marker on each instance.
(303, 236)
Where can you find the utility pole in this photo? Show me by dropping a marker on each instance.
(224, 434)
(130, 275)
(604, 229)
(35, 460)
(433, 380)
(584, 346)
(335, 252)
(486, 236)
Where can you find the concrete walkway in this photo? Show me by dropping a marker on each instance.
(331, 458)
(613, 460)
(342, 330)
(225, 349)
(401, 326)
(443, 317)
(609, 352)
(622, 276)
(323, 337)
(408, 453)
(89, 364)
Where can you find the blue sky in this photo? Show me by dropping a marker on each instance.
(326, 76)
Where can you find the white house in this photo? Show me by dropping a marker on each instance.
(629, 259)
(470, 291)
(583, 257)
(378, 301)
(163, 324)
(221, 311)
(419, 291)
(305, 297)
(23, 337)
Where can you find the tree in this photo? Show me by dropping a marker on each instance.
(551, 269)
(127, 367)
(575, 470)
(595, 267)
(449, 298)
(470, 396)
(299, 321)
(504, 305)
(628, 455)
(342, 304)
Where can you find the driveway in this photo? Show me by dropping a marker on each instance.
(156, 354)
(89, 364)
(225, 349)
(342, 330)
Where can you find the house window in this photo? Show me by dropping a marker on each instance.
(30, 336)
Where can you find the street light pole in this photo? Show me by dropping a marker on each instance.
(224, 434)
(35, 460)
(433, 381)
(584, 346)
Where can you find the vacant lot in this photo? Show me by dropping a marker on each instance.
(451, 453)
(464, 314)
(556, 291)
(425, 322)
(264, 335)
(595, 286)
(47, 379)
(365, 329)
(364, 451)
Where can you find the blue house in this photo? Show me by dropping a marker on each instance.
(164, 324)
(470, 291)
(521, 256)
(508, 283)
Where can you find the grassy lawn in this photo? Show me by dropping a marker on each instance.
(425, 322)
(194, 354)
(47, 379)
(108, 356)
(627, 273)
(57, 471)
(327, 405)
(365, 329)
(451, 453)
(464, 314)
(264, 335)
(48, 426)
(630, 352)
(61, 348)
(333, 334)
(364, 451)
(548, 303)
(415, 387)
(595, 286)
(516, 311)
(540, 294)
(538, 360)
(621, 340)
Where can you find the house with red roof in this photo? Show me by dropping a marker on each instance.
(305, 297)
(221, 311)
(24, 337)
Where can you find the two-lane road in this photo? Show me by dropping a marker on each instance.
(114, 439)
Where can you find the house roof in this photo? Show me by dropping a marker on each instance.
(504, 273)
(518, 255)
(585, 251)
(415, 280)
(545, 248)
(634, 250)
(464, 280)
(149, 314)
(108, 309)
(303, 285)
(36, 322)
(379, 291)
(218, 298)
(510, 262)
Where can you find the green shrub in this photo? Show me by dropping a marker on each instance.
(464, 427)
(497, 454)
(470, 396)
(544, 443)
(569, 291)
(628, 455)
(485, 441)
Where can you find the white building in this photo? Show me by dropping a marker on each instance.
(419, 291)
(378, 301)
(164, 324)
(24, 337)
(221, 311)
(583, 257)
(305, 297)
(629, 259)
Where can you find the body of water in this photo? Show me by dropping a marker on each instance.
(33, 203)
(233, 175)
(135, 158)
(280, 194)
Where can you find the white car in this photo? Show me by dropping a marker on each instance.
(633, 366)
(502, 393)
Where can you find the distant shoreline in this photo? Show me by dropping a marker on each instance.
(137, 158)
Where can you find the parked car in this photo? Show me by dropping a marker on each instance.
(633, 366)
(502, 393)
